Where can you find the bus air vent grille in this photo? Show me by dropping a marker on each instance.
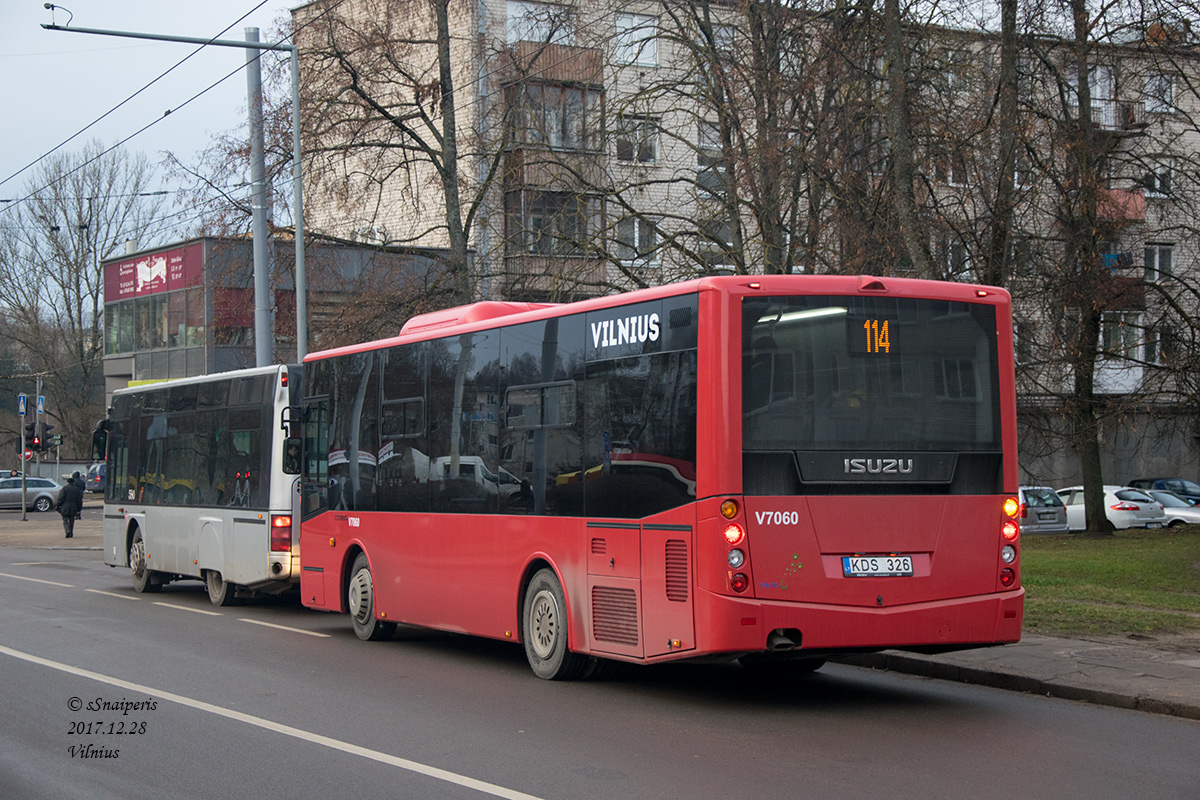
(614, 615)
(599, 546)
(677, 571)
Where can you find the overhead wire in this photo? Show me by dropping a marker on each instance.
(106, 114)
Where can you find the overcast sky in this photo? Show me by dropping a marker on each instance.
(55, 83)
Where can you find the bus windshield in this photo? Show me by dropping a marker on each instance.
(843, 384)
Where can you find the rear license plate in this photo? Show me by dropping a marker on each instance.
(1153, 524)
(1046, 515)
(876, 566)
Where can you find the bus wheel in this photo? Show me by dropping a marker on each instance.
(544, 631)
(143, 576)
(220, 591)
(361, 597)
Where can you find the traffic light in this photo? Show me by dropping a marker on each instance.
(31, 438)
(43, 437)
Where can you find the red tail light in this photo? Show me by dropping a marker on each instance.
(1126, 506)
(739, 582)
(1007, 576)
(281, 534)
(1024, 510)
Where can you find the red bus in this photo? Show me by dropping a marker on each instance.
(773, 469)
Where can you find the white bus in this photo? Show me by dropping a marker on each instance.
(202, 483)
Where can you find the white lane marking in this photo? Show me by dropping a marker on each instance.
(284, 627)
(296, 733)
(110, 594)
(35, 580)
(188, 608)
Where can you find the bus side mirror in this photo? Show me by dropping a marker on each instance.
(291, 456)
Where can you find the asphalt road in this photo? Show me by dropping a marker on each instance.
(110, 694)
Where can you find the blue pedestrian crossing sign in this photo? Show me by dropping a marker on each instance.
(21, 404)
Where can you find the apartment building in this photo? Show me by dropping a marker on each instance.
(607, 145)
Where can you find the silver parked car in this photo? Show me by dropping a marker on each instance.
(1178, 510)
(1042, 511)
(1124, 506)
(41, 494)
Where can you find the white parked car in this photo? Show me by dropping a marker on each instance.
(1125, 507)
(1178, 510)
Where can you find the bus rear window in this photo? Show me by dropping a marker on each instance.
(831, 384)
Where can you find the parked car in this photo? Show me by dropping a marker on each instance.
(1124, 506)
(1188, 490)
(94, 482)
(41, 494)
(1178, 510)
(1042, 511)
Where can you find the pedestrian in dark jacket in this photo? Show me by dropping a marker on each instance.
(70, 504)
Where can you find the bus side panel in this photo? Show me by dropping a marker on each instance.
(251, 544)
(321, 564)
(463, 572)
(116, 549)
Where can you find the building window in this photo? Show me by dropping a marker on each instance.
(1160, 345)
(951, 170)
(715, 245)
(539, 22)
(550, 223)
(637, 139)
(1158, 178)
(1120, 334)
(710, 160)
(561, 117)
(1157, 261)
(637, 40)
(952, 256)
(1160, 93)
(1023, 341)
(637, 241)
(1020, 257)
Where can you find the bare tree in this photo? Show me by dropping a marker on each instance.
(81, 208)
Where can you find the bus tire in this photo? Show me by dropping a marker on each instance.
(220, 591)
(360, 597)
(143, 577)
(544, 631)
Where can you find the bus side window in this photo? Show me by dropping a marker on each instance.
(291, 456)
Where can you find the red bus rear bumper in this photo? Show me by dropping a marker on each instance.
(731, 625)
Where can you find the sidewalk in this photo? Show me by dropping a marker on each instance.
(1124, 673)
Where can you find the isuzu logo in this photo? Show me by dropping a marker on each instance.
(877, 466)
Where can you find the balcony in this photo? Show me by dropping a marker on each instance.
(1122, 205)
(1116, 117)
(553, 63)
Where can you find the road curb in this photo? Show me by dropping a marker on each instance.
(930, 667)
